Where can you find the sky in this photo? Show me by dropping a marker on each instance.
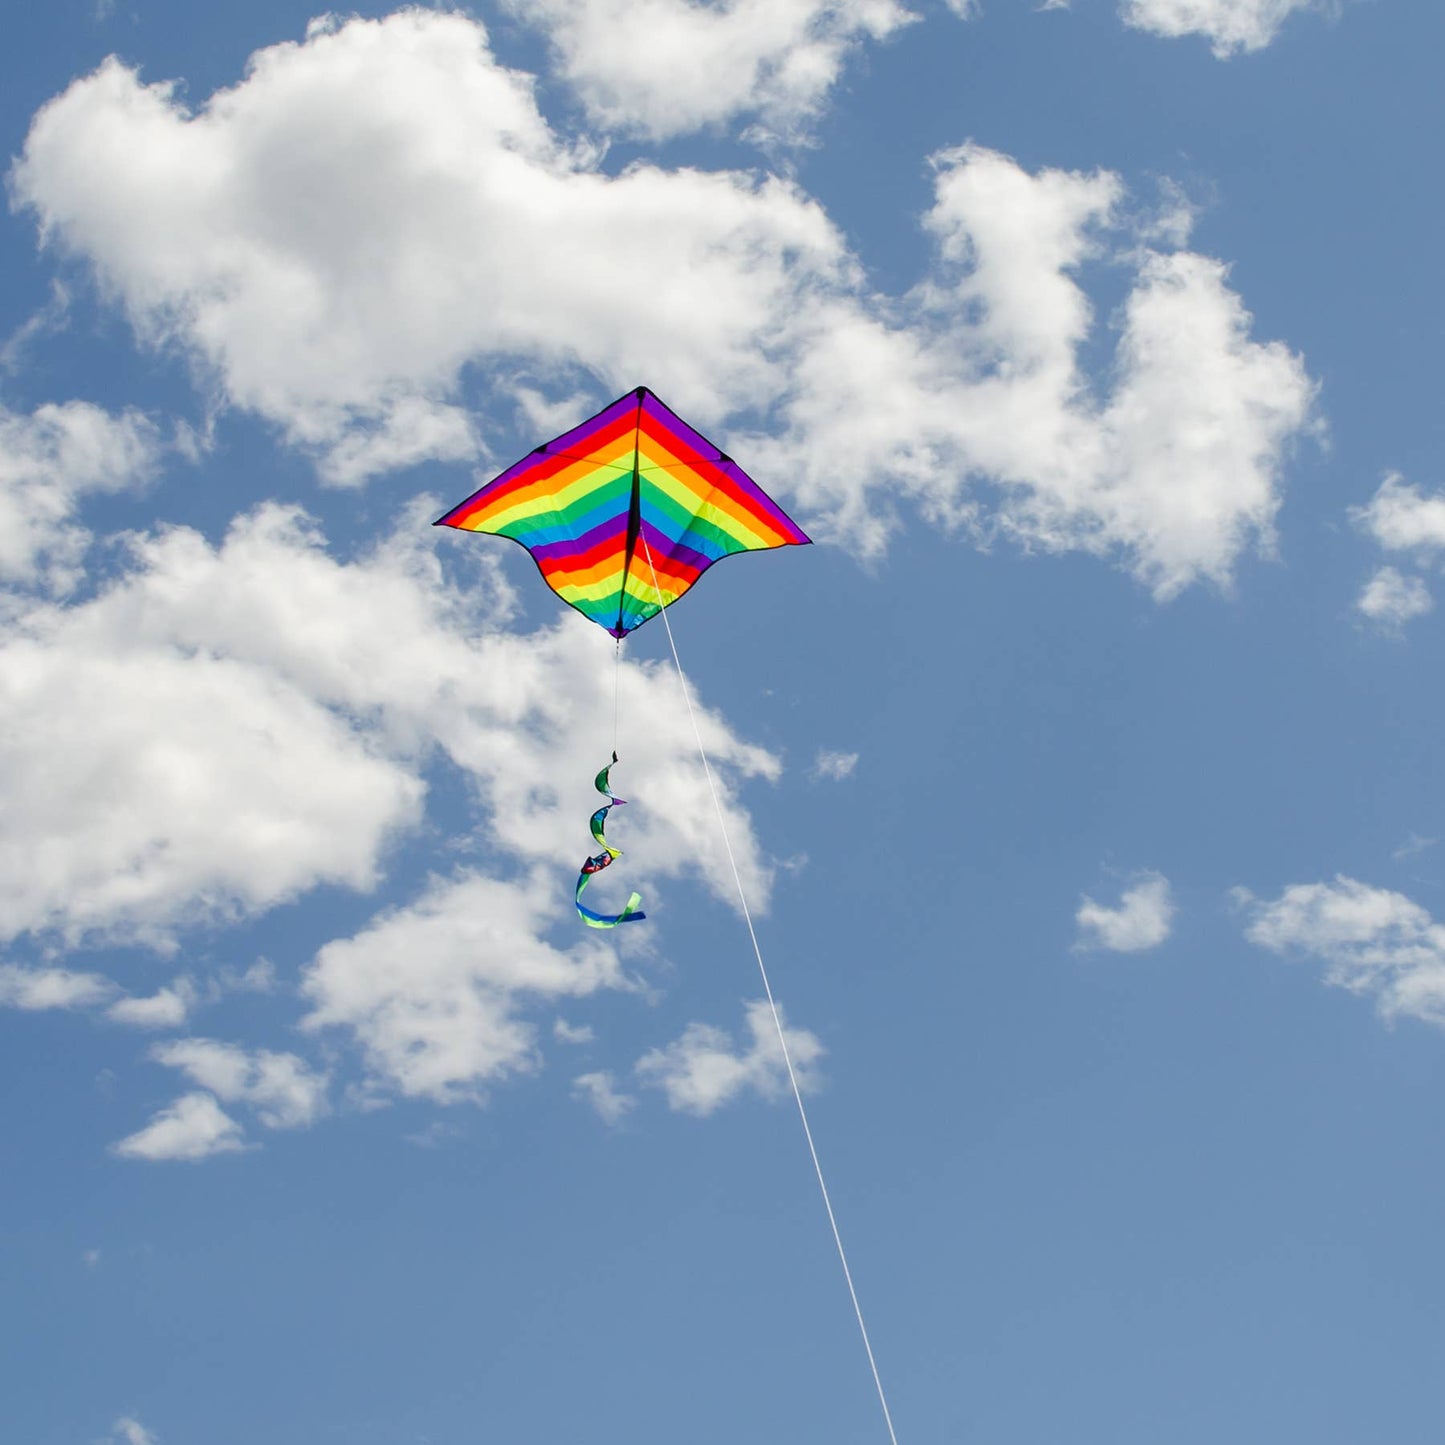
(1081, 776)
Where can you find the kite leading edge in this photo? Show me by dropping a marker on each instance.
(622, 514)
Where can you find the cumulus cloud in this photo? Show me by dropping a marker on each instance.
(1143, 918)
(337, 236)
(1372, 941)
(154, 775)
(194, 1127)
(1175, 469)
(435, 992)
(227, 726)
(1390, 599)
(49, 459)
(34, 989)
(705, 1069)
(338, 275)
(1402, 518)
(1230, 26)
(283, 1091)
(600, 1091)
(167, 1008)
(661, 68)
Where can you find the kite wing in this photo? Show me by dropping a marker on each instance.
(632, 492)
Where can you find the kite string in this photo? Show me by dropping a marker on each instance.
(772, 1004)
(616, 677)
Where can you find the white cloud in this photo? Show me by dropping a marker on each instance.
(49, 459)
(167, 1008)
(600, 1091)
(1373, 941)
(1401, 518)
(1142, 920)
(665, 67)
(366, 213)
(1176, 469)
(194, 1127)
(1229, 25)
(566, 1033)
(703, 1070)
(155, 773)
(132, 1432)
(434, 991)
(227, 726)
(285, 1093)
(260, 977)
(834, 765)
(336, 276)
(34, 989)
(1391, 599)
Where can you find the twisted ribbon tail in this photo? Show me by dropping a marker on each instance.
(631, 913)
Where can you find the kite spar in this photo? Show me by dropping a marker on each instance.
(622, 515)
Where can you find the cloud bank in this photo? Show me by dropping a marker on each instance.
(338, 277)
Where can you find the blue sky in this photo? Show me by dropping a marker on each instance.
(1082, 777)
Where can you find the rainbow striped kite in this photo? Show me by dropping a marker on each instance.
(623, 513)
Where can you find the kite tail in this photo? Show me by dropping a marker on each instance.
(598, 861)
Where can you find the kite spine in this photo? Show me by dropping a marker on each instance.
(634, 517)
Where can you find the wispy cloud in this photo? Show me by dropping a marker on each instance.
(281, 1088)
(704, 1069)
(46, 988)
(834, 766)
(600, 1091)
(167, 1008)
(132, 1432)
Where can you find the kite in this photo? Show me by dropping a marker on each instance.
(622, 515)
